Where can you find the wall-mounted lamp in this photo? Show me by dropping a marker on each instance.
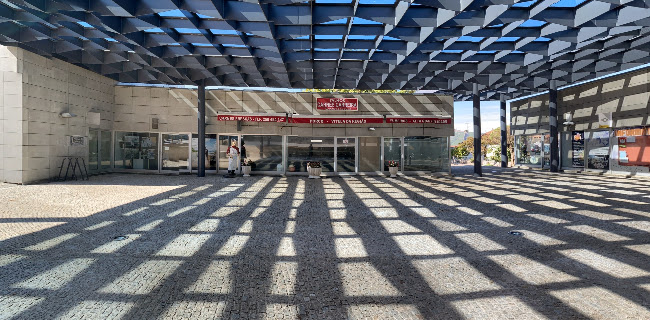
(371, 129)
(67, 115)
(568, 119)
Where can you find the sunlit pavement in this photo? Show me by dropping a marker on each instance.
(415, 247)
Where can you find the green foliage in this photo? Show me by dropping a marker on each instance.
(490, 138)
(463, 149)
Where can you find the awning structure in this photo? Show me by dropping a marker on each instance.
(504, 46)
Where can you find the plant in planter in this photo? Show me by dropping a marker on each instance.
(314, 169)
(393, 167)
(246, 167)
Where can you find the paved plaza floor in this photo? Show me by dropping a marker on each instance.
(513, 244)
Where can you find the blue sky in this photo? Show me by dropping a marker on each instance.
(463, 115)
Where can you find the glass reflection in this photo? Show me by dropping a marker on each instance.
(264, 151)
(175, 151)
(305, 149)
(346, 154)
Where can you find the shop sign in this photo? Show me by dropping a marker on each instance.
(342, 120)
(77, 141)
(578, 148)
(605, 120)
(418, 120)
(345, 104)
(251, 118)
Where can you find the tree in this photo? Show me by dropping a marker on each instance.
(493, 137)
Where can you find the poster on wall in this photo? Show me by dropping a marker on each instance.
(578, 149)
(633, 147)
(598, 146)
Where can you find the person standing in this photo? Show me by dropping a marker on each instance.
(233, 157)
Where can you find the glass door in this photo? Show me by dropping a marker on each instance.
(346, 155)
(93, 150)
(224, 142)
(210, 152)
(175, 151)
(369, 154)
(105, 150)
(393, 152)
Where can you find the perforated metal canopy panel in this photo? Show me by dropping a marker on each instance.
(505, 46)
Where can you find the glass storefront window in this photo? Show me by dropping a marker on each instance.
(264, 151)
(175, 151)
(529, 150)
(136, 150)
(210, 150)
(392, 151)
(547, 150)
(346, 149)
(598, 150)
(305, 149)
(105, 149)
(426, 154)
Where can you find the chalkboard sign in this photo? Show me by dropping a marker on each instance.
(578, 148)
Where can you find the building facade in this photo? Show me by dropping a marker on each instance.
(603, 126)
(52, 110)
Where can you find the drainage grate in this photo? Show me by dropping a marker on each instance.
(120, 238)
(516, 233)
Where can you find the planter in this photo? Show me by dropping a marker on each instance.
(246, 170)
(314, 173)
(393, 171)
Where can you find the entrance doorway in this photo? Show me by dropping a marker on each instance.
(99, 150)
(210, 152)
(223, 144)
(346, 155)
(393, 152)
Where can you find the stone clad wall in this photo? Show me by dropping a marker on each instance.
(44, 88)
(627, 96)
(175, 110)
(12, 118)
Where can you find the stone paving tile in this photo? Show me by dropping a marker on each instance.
(366, 247)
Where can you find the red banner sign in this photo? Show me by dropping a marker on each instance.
(347, 120)
(419, 120)
(223, 117)
(345, 104)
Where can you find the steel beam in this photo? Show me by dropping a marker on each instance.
(201, 138)
(478, 170)
(552, 121)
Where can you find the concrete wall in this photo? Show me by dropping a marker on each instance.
(627, 96)
(44, 88)
(12, 116)
(175, 110)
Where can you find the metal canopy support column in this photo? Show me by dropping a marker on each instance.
(201, 138)
(478, 170)
(552, 121)
(504, 134)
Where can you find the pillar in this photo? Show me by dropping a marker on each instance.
(478, 170)
(201, 138)
(552, 121)
(504, 134)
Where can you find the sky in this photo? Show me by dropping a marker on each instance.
(463, 115)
